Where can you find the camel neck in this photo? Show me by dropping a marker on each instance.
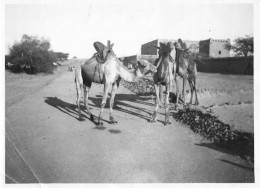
(129, 76)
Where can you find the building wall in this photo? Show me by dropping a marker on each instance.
(217, 49)
(228, 65)
(214, 48)
(148, 48)
(204, 47)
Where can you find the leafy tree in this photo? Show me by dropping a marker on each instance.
(242, 46)
(32, 52)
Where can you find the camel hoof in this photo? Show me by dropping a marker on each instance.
(91, 117)
(153, 121)
(100, 123)
(167, 123)
(113, 122)
(81, 119)
(100, 127)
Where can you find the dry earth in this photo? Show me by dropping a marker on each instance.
(46, 143)
(228, 97)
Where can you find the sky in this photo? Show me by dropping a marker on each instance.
(73, 27)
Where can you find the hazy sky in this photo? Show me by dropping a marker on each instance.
(73, 27)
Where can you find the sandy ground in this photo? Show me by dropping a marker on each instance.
(46, 143)
(230, 97)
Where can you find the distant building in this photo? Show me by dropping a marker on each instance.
(214, 48)
(150, 53)
(149, 49)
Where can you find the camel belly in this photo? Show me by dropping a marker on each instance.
(92, 71)
(162, 74)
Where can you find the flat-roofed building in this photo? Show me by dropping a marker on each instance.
(149, 49)
(214, 48)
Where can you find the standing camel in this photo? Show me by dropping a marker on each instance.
(164, 76)
(187, 69)
(108, 72)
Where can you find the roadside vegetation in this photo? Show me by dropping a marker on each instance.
(32, 55)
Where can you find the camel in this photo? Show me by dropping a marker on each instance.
(187, 70)
(108, 73)
(164, 76)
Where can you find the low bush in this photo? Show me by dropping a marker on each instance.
(211, 128)
(32, 55)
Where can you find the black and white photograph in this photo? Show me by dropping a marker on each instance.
(129, 92)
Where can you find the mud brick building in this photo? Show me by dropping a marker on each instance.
(214, 48)
(217, 58)
(150, 53)
(149, 49)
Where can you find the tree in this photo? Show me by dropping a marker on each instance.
(32, 52)
(242, 46)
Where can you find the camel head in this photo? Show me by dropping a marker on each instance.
(177, 45)
(108, 49)
(181, 45)
(102, 50)
(165, 48)
(146, 67)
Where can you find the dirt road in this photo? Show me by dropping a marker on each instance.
(46, 143)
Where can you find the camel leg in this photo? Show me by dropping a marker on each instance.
(79, 90)
(192, 91)
(113, 93)
(177, 91)
(166, 104)
(154, 116)
(161, 93)
(86, 94)
(184, 91)
(103, 103)
(173, 80)
(195, 89)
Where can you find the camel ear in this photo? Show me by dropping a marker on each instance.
(108, 43)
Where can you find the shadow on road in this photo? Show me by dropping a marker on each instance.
(119, 105)
(114, 131)
(68, 108)
(128, 108)
(238, 165)
(215, 147)
(234, 151)
(65, 107)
